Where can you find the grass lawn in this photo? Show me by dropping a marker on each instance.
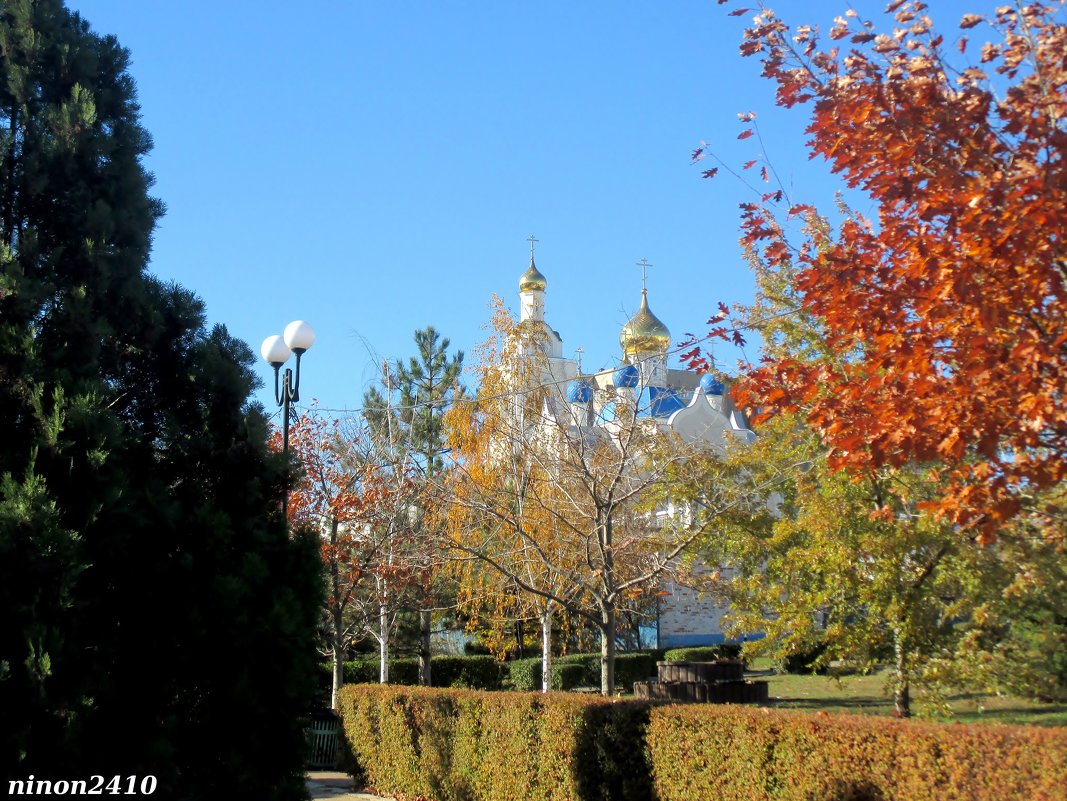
(868, 695)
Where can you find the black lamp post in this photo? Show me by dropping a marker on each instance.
(297, 338)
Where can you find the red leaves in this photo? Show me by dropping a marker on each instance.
(709, 173)
(944, 323)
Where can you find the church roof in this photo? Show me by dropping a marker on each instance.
(645, 333)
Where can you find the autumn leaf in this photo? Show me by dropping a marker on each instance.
(945, 314)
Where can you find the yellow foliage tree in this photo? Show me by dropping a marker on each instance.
(564, 516)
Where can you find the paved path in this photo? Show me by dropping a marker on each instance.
(335, 786)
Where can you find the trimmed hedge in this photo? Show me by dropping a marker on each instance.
(526, 673)
(476, 672)
(764, 755)
(465, 745)
(704, 653)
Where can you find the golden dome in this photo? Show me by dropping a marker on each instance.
(532, 280)
(644, 334)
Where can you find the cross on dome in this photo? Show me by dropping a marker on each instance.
(644, 265)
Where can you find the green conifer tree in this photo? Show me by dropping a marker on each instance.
(424, 387)
(158, 618)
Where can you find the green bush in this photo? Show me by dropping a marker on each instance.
(474, 672)
(567, 673)
(568, 676)
(630, 668)
(367, 671)
(704, 653)
(525, 674)
(803, 661)
(722, 751)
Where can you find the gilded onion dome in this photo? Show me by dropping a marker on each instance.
(645, 333)
(532, 280)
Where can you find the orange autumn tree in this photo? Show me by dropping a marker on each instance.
(947, 310)
(359, 504)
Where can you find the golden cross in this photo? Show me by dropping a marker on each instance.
(531, 239)
(579, 352)
(644, 265)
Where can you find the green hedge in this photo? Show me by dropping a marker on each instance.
(367, 671)
(763, 755)
(464, 745)
(476, 672)
(704, 653)
(525, 674)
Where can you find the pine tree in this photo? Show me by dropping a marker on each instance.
(158, 618)
(425, 387)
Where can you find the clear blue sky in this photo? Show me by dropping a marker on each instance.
(374, 168)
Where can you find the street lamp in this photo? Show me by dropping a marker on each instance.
(297, 338)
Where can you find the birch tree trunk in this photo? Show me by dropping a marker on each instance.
(425, 621)
(901, 694)
(546, 649)
(383, 643)
(607, 650)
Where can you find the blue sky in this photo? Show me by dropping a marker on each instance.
(374, 168)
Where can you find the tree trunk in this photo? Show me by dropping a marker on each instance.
(338, 657)
(425, 621)
(546, 650)
(337, 633)
(901, 695)
(383, 644)
(607, 650)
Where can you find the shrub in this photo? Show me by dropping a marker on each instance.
(704, 653)
(803, 661)
(567, 673)
(759, 755)
(455, 745)
(476, 672)
(525, 674)
(465, 744)
(567, 676)
(367, 671)
(632, 667)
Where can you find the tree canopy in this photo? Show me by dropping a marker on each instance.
(144, 569)
(947, 310)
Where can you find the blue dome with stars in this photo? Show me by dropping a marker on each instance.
(626, 376)
(711, 385)
(579, 391)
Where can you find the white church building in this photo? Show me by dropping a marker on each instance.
(696, 407)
